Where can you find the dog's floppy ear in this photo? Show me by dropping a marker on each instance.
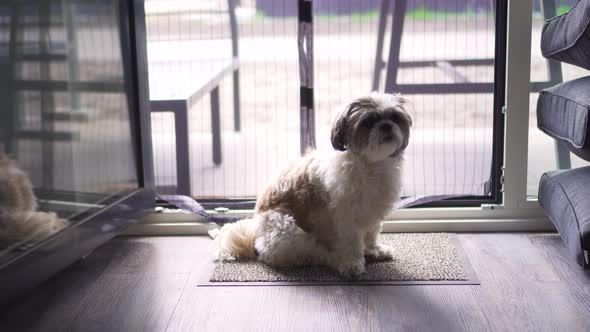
(404, 120)
(339, 129)
(408, 118)
(405, 117)
(402, 109)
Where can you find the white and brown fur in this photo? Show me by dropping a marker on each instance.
(19, 218)
(327, 207)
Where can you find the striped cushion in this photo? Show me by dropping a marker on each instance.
(566, 37)
(562, 113)
(565, 197)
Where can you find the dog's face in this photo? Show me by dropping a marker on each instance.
(376, 126)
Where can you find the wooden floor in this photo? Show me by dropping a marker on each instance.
(528, 283)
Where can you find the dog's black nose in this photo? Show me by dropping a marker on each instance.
(385, 127)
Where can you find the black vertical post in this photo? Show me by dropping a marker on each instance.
(134, 54)
(397, 26)
(305, 45)
(493, 186)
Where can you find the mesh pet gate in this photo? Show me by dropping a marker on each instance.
(239, 87)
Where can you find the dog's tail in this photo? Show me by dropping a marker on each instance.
(236, 240)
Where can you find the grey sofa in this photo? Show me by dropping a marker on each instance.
(563, 113)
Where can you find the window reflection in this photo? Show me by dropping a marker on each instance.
(65, 131)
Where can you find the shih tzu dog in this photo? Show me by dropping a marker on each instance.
(327, 208)
(19, 218)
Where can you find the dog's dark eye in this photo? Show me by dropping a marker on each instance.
(369, 122)
(399, 118)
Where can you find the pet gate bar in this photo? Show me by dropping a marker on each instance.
(305, 47)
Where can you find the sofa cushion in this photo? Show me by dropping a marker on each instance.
(562, 113)
(566, 37)
(565, 197)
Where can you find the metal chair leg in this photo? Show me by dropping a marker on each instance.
(233, 24)
(237, 120)
(397, 26)
(180, 109)
(183, 178)
(216, 126)
(379, 64)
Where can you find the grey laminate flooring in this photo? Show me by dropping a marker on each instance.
(528, 283)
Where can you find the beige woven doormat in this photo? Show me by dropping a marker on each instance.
(421, 258)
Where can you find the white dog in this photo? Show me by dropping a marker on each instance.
(327, 208)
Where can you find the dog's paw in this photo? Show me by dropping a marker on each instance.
(351, 269)
(379, 253)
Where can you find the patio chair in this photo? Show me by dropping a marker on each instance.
(461, 84)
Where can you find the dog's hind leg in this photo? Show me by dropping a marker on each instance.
(281, 242)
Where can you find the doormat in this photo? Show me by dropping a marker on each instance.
(419, 258)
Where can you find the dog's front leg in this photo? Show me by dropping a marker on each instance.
(347, 255)
(375, 251)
